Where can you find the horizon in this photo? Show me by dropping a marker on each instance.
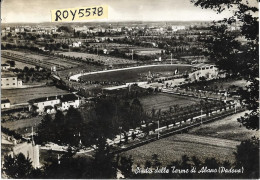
(36, 11)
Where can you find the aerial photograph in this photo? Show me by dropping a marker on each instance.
(130, 89)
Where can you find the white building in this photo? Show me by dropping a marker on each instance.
(52, 103)
(5, 66)
(177, 28)
(10, 80)
(5, 103)
(76, 44)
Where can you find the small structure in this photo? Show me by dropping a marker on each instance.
(5, 66)
(5, 103)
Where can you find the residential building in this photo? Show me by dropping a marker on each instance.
(10, 80)
(52, 103)
(5, 66)
(5, 103)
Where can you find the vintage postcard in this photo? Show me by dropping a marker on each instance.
(131, 89)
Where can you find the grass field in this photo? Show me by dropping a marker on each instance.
(18, 96)
(163, 101)
(227, 128)
(23, 126)
(133, 75)
(104, 59)
(173, 147)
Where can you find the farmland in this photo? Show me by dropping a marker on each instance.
(18, 96)
(40, 60)
(18, 64)
(127, 48)
(173, 147)
(103, 59)
(135, 74)
(163, 101)
(22, 126)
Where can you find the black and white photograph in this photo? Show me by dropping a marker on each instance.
(130, 89)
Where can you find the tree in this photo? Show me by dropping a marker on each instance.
(247, 156)
(228, 52)
(17, 167)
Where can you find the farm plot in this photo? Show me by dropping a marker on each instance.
(103, 59)
(18, 64)
(227, 128)
(23, 126)
(40, 60)
(174, 147)
(134, 74)
(18, 96)
(164, 101)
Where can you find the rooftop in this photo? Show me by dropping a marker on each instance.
(63, 98)
(7, 74)
(5, 101)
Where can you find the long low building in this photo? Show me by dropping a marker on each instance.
(52, 103)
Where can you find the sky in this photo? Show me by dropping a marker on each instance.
(36, 11)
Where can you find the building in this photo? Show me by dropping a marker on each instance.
(69, 100)
(12, 146)
(5, 66)
(10, 80)
(52, 103)
(5, 103)
(177, 28)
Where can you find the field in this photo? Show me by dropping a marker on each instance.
(40, 60)
(163, 101)
(217, 139)
(18, 64)
(128, 48)
(18, 96)
(104, 59)
(134, 75)
(173, 147)
(227, 128)
(22, 126)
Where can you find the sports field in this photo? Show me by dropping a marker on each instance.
(163, 101)
(135, 74)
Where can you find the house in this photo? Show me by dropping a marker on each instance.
(9, 80)
(5, 103)
(52, 103)
(68, 100)
(5, 66)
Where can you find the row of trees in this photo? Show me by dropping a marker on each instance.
(103, 120)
